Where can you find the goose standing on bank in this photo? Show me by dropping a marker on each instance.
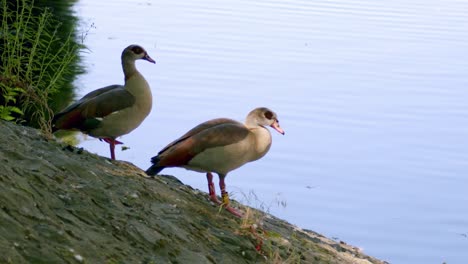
(114, 110)
(220, 145)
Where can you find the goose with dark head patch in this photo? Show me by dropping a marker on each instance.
(220, 145)
(114, 110)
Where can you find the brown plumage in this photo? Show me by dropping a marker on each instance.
(219, 145)
(114, 110)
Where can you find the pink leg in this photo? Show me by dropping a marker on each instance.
(112, 142)
(112, 149)
(225, 197)
(211, 188)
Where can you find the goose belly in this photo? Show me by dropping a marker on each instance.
(120, 123)
(221, 159)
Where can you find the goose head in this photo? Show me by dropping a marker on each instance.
(135, 52)
(263, 116)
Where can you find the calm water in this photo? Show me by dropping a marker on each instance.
(372, 96)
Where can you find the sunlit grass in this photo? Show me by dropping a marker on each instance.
(275, 248)
(38, 60)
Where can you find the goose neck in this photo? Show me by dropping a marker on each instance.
(129, 68)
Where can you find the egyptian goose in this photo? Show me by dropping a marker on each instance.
(220, 145)
(114, 110)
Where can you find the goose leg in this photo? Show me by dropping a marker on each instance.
(112, 142)
(112, 149)
(225, 197)
(211, 188)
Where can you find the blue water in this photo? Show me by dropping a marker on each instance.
(372, 96)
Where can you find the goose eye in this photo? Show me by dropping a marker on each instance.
(137, 50)
(269, 115)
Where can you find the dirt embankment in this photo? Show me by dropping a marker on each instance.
(59, 204)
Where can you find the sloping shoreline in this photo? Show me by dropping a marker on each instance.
(65, 205)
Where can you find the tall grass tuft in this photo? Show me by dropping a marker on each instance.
(38, 62)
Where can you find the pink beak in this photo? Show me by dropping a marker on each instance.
(148, 58)
(277, 127)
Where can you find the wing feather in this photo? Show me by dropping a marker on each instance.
(84, 114)
(210, 134)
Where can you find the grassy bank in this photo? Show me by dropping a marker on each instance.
(39, 60)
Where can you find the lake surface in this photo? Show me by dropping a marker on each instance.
(373, 97)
